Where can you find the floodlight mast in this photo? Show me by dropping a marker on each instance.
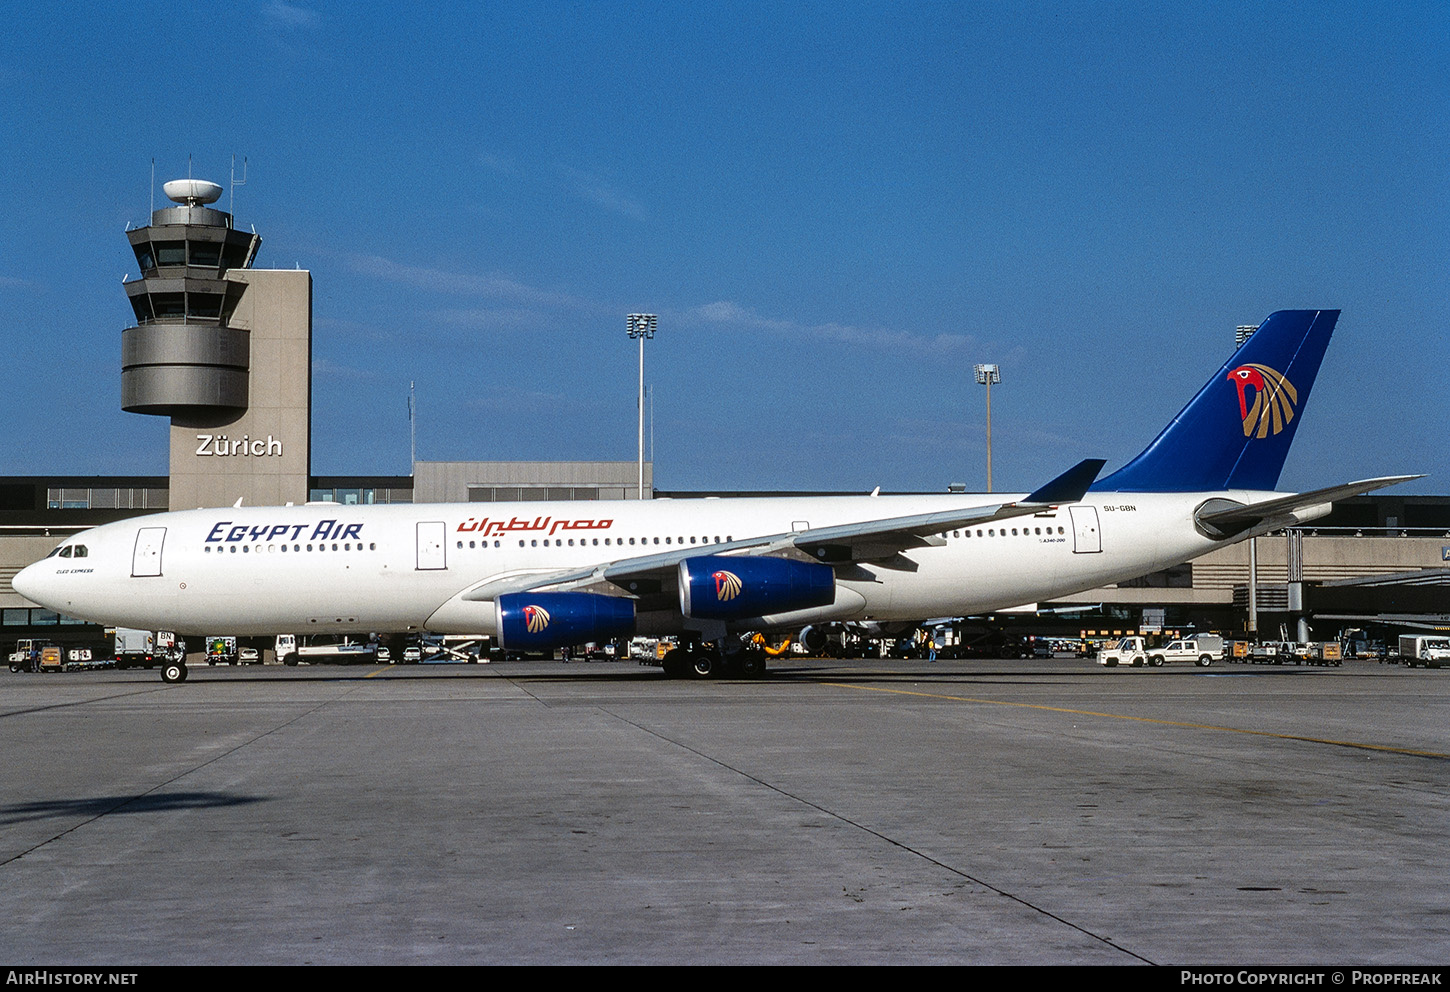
(986, 376)
(641, 326)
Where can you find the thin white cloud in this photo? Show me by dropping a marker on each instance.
(593, 189)
(501, 164)
(464, 284)
(501, 317)
(726, 313)
(325, 369)
(535, 307)
(289, 15)
(515, 399)
(567, 180)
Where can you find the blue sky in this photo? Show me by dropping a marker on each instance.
(835, 209)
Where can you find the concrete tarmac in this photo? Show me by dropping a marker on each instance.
(978, 812)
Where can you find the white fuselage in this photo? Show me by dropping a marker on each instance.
(326, 568)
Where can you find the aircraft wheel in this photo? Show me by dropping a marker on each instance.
(674, 663)
(173, 672)
(703, 664)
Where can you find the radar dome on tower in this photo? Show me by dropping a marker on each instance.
(192, 192)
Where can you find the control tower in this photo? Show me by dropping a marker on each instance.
(224, 350)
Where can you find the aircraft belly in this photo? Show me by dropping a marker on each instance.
(289, 600)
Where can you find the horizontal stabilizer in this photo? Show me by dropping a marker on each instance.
(1226, 517)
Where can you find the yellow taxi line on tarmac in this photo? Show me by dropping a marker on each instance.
(1145, 719)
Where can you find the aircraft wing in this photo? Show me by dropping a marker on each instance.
(876, 539)
(871, 540)
(1228, 517)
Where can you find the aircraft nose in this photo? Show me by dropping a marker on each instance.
(30, 582)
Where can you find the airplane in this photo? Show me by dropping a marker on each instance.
(543, 575)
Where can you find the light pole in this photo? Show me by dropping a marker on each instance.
(641, 326)
(986, 375)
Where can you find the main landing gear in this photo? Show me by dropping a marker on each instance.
(704, 661)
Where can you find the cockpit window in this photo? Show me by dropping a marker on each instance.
(81, 551)
(65, 551)
(53, 552)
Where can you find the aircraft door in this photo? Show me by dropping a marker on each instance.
(1086, 538)
(146, 559)
(432, 536)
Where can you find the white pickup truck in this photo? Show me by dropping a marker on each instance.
(1200, 650)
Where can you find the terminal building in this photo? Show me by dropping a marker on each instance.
(224, 350)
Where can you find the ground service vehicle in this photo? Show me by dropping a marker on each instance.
(221, 650)
(344, 652)
(26, 656)
(134, 648)
(1128, 651)
(1430, 651)
(1201, 650)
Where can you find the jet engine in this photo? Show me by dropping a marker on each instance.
(814, 638)
(543, 621)
(716, 587)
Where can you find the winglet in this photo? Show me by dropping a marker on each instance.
(1070, 486)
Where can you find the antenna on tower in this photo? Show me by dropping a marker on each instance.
(412, 431)
(232, 194)
(153, 184)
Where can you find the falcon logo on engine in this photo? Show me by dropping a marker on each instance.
(727, 586)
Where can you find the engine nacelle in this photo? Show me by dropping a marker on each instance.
(813, 638)
(543, 621)
(715, 587)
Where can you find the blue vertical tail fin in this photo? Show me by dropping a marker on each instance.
(1235, 434)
